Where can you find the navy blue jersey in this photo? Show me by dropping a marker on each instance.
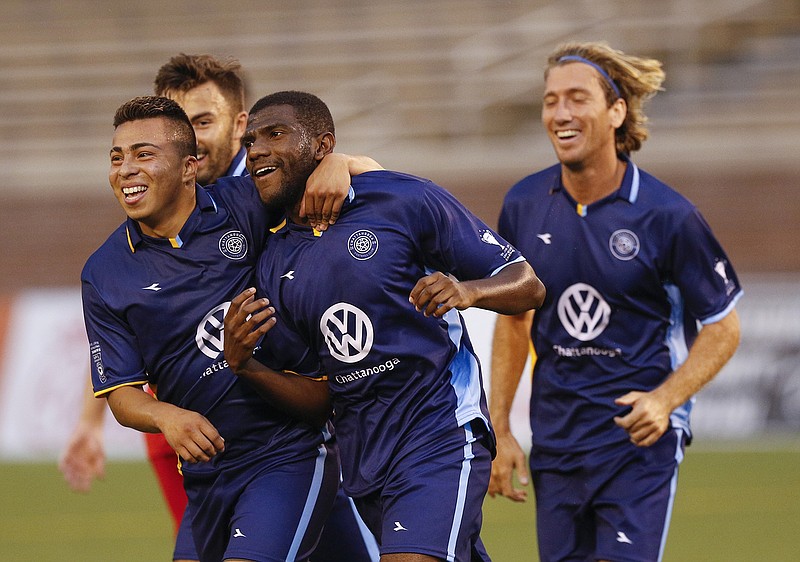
(154, 311)
(628, 278)
(398, 379)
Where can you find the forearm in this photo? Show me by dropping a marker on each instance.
(298, 396)
(510, 346)
(134, 408)
(93, 410)
(513, 290)
(360, 164)
(714, 346)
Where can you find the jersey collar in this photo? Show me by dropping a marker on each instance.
(286, 224)
(204, 204)
(237, 167)
(628, 190)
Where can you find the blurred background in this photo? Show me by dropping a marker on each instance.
(447, 89)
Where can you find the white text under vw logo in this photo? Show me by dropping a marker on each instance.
(583, 312)
(209, 336)
(347, 331)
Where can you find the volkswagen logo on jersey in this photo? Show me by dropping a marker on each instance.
(347, 331)
(624, 244)
(209, 336)
(583, 312)
(362, 244)
(233, 245)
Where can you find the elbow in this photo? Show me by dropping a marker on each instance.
(532, 292)
(538, 293)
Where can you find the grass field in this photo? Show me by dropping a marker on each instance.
(733, 505)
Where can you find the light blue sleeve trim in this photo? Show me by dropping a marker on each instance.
(720, 315)
(505, 265)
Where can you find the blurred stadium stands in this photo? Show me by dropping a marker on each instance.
(447, 89)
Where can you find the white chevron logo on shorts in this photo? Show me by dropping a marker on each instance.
(238, 533)
(623, 538)
(399, 527)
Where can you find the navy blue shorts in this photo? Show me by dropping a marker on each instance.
(184, 543)
(262, 510)
(345, 537)
(613, 503)
(432, 499)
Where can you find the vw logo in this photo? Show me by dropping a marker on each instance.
(209, 336)
(347, 331)
(583, 312)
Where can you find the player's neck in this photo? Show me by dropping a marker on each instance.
(169, 222)
(593, 181)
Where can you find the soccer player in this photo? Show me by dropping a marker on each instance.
(631, 267)
(260, 482)
(212, 93)
(381, 324)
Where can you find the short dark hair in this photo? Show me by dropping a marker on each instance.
(152, 107)
(184, 72)
(311, 111)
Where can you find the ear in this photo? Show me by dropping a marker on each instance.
(618, 111)
(325, 143)
(189, 171)
(239, 125)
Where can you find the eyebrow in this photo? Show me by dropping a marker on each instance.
(136, 146)
(568, 91)
(194, 118)
(250, 132)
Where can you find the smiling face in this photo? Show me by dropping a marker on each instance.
(281, 154)
(153, 183)
(217, 126)
(577, 117)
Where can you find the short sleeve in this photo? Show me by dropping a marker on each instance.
(114, 358)
(702, 270)
(456, 241)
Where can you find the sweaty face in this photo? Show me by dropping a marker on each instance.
(576, 115)
(280, 155)
(213, 122)
(152, 182)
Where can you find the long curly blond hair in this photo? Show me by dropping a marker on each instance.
(638, 80)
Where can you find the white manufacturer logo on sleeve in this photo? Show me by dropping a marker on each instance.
(347, 331)
(209, 337)
(583, 312)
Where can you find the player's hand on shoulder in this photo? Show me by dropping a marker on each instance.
(436, 294)
(246, 322)
(191, 435)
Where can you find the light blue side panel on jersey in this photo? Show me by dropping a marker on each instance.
(678, 351)
(465, 373)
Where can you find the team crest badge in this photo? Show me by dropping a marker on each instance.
(362, 244)
(624, 244)
(233, 245)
